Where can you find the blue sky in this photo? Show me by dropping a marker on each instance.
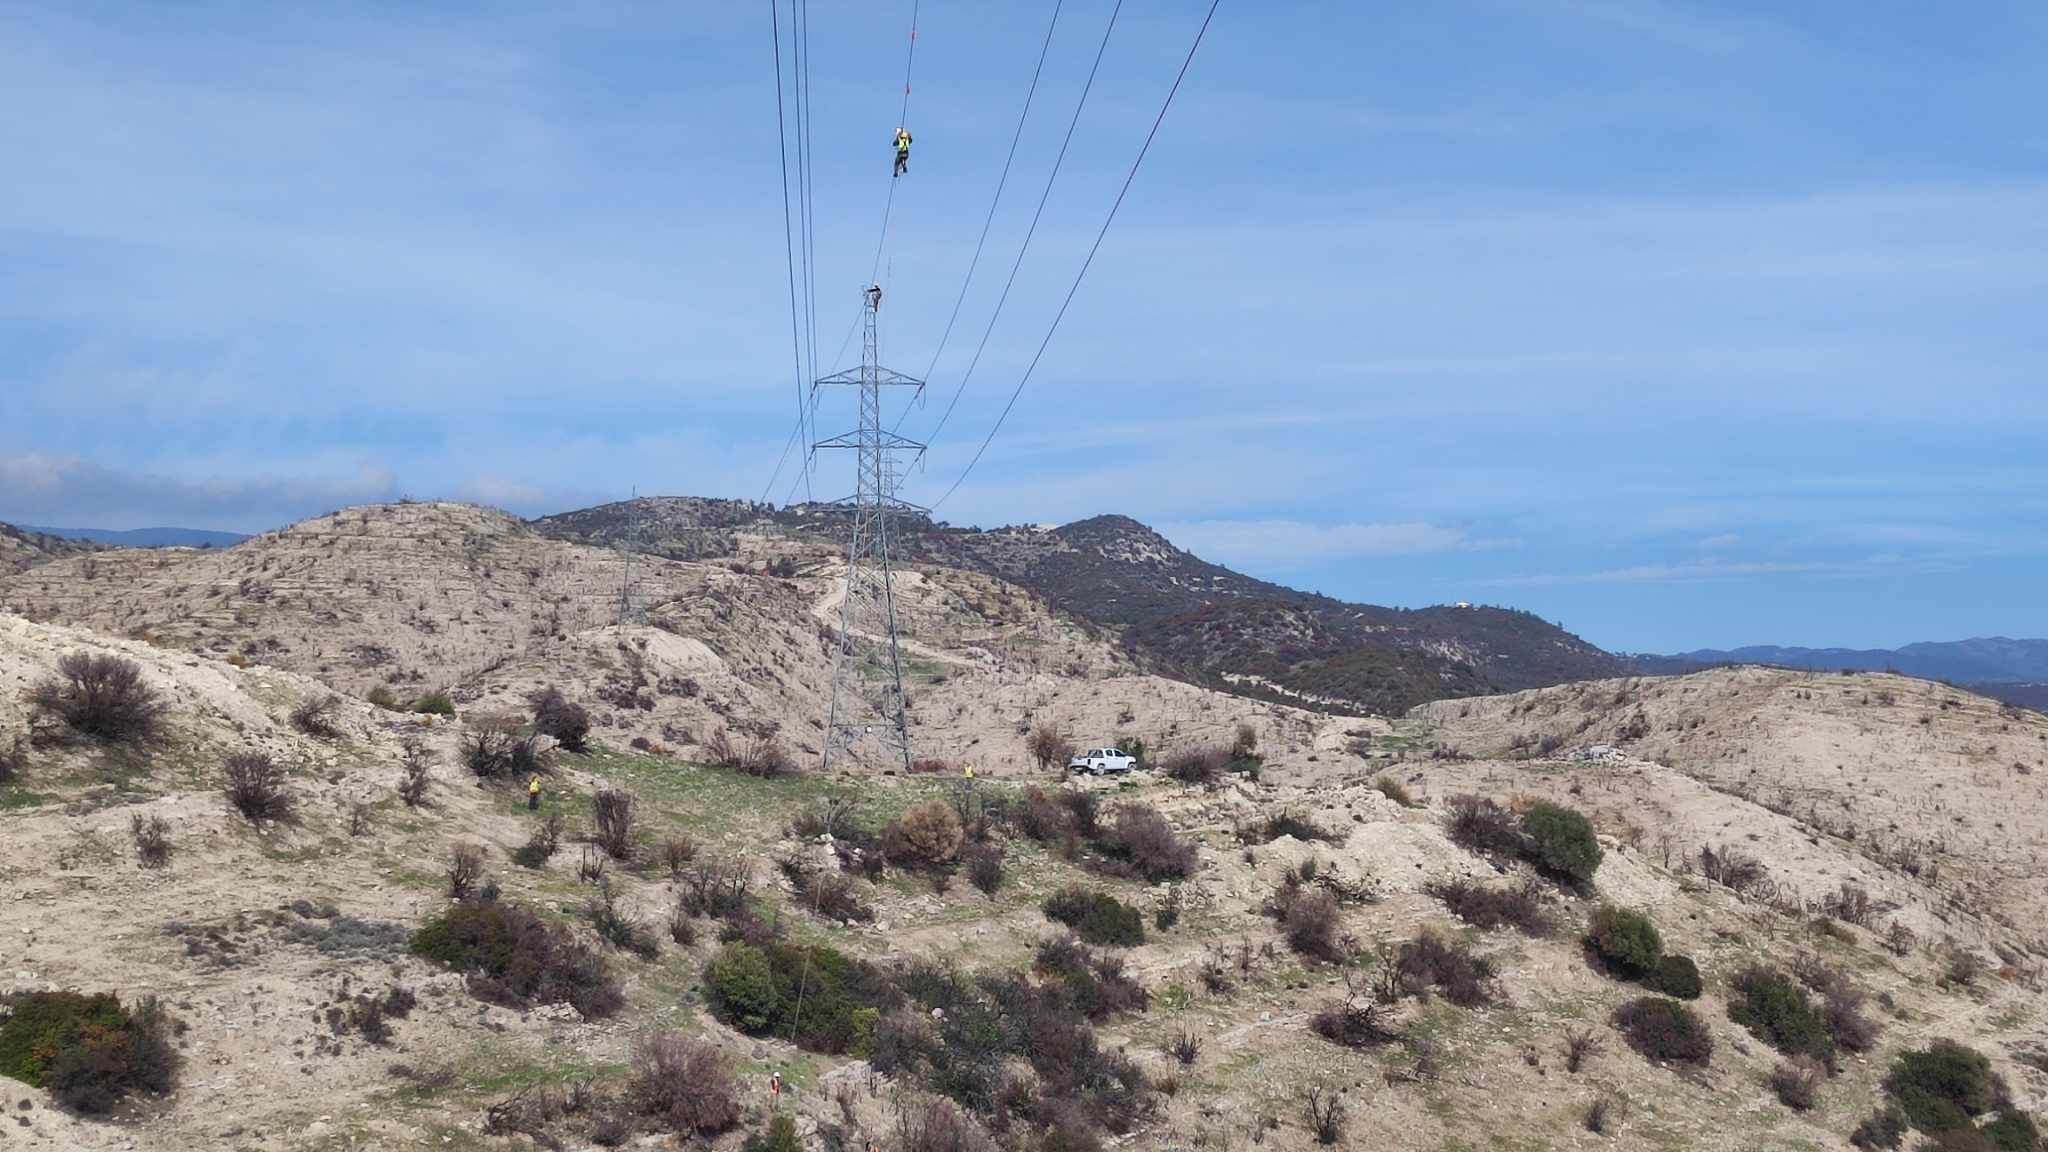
(1681, 324)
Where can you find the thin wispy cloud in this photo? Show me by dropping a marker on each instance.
(1706, 570)
(1289, 544)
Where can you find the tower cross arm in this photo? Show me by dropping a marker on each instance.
(886, 441)
(885, 377)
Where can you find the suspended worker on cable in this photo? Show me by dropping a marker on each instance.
(902, 150)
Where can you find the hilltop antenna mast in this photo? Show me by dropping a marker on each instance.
(867, 717)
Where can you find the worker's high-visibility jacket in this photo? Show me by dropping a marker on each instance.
(903, 141)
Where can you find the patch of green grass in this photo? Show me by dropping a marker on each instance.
(493, 1069)
(2012, 1016)
(13, 797)
(305, 853)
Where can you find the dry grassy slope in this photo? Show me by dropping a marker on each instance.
(423, 594)
(78, 913)
(1909, 773)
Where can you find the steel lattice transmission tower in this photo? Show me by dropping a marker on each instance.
(867, 720)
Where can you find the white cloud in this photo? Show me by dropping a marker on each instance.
(1288, 543)
(1719, 543)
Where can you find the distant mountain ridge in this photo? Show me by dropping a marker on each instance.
(1175, 612)
(2014, 671)
(146, 537)
(1985, 660)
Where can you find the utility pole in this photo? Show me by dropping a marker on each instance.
(627, 541)
(866, 720)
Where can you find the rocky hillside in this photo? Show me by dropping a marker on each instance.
(1174, 611)
(407, 599)
(21, 549)
(1336, 926)
(1932, 787)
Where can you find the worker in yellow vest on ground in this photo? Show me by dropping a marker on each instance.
(533, 793)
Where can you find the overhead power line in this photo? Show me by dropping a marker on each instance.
(788, 245)
(997, 199)
(1093, 249)
(1032, 230)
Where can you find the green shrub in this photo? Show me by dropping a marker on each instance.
(435, 703)
(1096, 917)
(742, 987)
(779, 1136)
(1562, 842)
(88, 1051)
(1676, 976)
(1626, 940)
(830, 1001)
(513, 957)
(1664, 1029)
(1778, 1011)
(1944, 1086)
(2014, 1131)
(382, 697)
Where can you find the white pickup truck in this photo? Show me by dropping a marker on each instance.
(1101, 761)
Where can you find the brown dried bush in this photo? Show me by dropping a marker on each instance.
(315, 716)
(1482, 906)
(676, 854)
(1797, 1082)
(686, 1083)
(13, 760)
(256, 787)
(759, 754)
(103, 697)
(554, 716)
(614, 813)
(1311, 924)
(465, 868)
(1433, 961)
(152, 840)
(1479, 824)
(1142, 843)
(927, 836)
(1049, 747)
(413, 781)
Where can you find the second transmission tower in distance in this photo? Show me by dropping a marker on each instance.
(867, 721)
